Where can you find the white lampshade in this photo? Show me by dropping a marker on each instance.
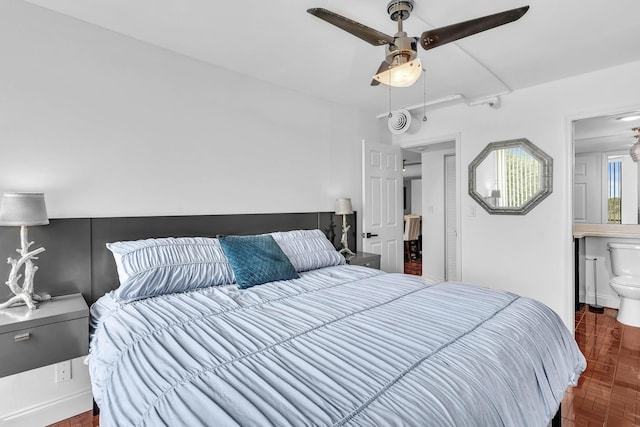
(343, 207)
(18, 209)
(403, 75)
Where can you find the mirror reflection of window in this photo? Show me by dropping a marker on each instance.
(518, 176)
(510, 177)
(614, 191)
(621, 189)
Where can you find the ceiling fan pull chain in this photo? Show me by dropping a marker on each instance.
(390, 114)
(424, 94)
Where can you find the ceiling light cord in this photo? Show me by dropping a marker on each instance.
(424, 95)
(390, 114)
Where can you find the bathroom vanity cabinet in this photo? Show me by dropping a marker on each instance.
(591, 253)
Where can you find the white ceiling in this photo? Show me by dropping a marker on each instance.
(278, 42)
(605, 133)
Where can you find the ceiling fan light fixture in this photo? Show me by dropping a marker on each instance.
(403, 75)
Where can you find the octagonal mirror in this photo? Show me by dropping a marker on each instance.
(510, 177)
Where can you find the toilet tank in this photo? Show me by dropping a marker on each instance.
(625, 258)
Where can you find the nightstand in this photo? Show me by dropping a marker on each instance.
(365, 259)
(58, 330)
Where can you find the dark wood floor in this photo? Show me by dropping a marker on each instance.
(82, 420)
(608, 393)
(413, 267)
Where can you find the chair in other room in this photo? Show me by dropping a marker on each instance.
(411, 235)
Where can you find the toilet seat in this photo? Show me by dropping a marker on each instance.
(631, 281)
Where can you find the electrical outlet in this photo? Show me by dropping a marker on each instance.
(63, 371)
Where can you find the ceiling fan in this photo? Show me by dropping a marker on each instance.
(401, 68)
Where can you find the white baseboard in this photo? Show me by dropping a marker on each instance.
(603, 300)
(50, 412)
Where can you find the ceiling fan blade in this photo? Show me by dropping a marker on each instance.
(383, 67)
(367, 34)
(439, 36)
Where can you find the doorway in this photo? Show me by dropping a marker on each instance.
(412, 211)
(439, 210)
(606, 190)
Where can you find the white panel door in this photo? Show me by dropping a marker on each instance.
(382, 219)
(587, 189)
(450, 218)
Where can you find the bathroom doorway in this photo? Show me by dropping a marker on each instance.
(606, 190)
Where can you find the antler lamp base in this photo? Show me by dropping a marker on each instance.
(23, 294)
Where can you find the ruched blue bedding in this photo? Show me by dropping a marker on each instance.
(342, 345)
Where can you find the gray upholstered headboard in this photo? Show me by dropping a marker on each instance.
(77, 260)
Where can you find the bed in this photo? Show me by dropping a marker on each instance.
(215, 332)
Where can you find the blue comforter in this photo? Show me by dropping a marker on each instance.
(343, 345)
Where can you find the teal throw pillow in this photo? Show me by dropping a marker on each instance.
(256, 260)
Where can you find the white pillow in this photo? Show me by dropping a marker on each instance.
(308, 249)
(153, 267)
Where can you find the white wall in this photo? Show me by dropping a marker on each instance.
(532, 254)
(109, 126)
(33, 398)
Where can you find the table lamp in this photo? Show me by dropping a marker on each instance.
(343, 207)
(23, 210)
(495, 195)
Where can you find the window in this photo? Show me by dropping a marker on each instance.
(614, 191)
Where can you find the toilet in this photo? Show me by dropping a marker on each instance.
(625, 265)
